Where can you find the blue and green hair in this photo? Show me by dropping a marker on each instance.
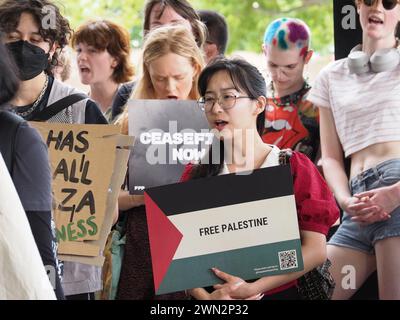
(288, 33)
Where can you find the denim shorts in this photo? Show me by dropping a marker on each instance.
(363, 238)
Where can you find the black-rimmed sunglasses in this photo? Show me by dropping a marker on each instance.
(387, 4)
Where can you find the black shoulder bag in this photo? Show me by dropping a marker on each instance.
(10, 123)
(318, 283)
(58, 106)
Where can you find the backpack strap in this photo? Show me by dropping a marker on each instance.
(9, 125)
(58, 106)
(284, 156)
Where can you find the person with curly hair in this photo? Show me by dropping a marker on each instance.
(35, 33)
(26, 150)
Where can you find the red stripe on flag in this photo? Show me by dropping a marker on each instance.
(164, 240)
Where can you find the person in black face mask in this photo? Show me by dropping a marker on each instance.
(34, 49)
(21, 147)
(36, 32)
(30, 59)
(34, 38)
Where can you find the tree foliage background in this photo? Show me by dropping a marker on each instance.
(247, 19)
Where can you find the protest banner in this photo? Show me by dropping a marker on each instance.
(88, 171)
(245, 225)
(170, 134)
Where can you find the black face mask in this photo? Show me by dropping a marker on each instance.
(30, 59)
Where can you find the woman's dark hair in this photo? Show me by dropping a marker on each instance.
(217, 29)
(185, 10)
(9, 81)
(53, 27)
(245, 77)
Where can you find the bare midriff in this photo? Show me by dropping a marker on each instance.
(373, 155)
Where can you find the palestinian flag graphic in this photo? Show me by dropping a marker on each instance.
(245, 225)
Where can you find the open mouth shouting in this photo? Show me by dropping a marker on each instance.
(374, 20)
(220, 124)
(84, 69)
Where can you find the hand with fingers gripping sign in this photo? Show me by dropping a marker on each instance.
(234, 288)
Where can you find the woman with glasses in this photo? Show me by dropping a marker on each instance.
(171, 64)
(234, 99)
(359, 111)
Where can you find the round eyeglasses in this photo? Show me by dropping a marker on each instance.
(225, 101)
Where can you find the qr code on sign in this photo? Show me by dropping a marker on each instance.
(287, 259)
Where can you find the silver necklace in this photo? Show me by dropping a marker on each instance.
(36, 103)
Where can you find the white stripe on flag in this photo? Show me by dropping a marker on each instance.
(280, 213)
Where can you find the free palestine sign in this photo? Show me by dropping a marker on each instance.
(245, 225)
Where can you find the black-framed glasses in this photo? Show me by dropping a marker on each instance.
(226, 101)
(387, 4)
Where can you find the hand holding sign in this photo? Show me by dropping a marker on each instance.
(249, 231)
(236, 287)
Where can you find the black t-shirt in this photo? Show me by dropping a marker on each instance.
(121, 98)
(33, 186)
(93, 115)
(32, 180)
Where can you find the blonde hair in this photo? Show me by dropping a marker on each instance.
(158, 43)
(64, 62)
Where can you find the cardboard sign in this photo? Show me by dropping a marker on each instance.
(245, 225)
(22, 274)
(170, 134)
(88, 171)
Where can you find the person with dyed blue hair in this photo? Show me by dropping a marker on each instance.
(291, 121)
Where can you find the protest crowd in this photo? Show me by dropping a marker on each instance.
(328, 152)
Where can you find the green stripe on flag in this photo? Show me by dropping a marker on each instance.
(248, 263)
